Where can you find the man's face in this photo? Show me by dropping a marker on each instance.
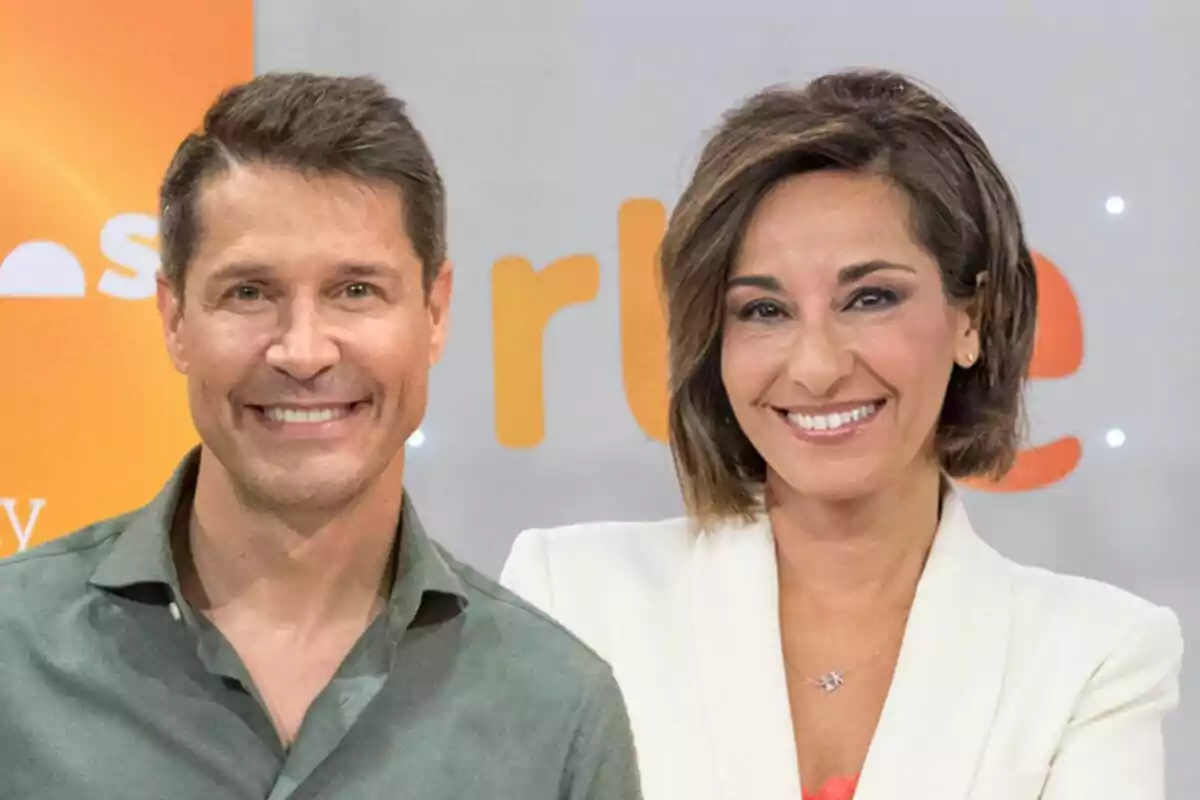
(305, 334)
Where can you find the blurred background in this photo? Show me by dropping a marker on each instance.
(565, 129)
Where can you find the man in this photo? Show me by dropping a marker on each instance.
(276, 623)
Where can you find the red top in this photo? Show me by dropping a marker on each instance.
(835, 789)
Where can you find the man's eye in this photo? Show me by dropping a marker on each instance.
(247, 292)
(359, 290)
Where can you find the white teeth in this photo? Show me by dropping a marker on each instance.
(831, 422)
(306, 415)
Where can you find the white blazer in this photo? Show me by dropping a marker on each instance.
(1013, 683)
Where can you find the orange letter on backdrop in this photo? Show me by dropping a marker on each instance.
(523, 301)
(640, 225)
(95, 98)
(1057, 353)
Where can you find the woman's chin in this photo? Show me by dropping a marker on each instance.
(835, 484)
(849, 480)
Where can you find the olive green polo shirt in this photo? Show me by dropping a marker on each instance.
(111, 686)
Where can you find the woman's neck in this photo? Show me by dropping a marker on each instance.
(860, 556)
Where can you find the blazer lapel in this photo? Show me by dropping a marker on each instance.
(947, 682)
(739, 661)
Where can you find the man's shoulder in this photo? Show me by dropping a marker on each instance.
(526, 633)
(60, 566)
(552, 691)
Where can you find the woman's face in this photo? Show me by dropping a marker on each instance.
(839, 340)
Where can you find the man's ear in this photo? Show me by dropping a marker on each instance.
(170, 312)
(438, 304)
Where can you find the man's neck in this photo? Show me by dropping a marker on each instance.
(334, 569)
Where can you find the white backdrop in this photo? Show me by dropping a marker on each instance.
(547, 115)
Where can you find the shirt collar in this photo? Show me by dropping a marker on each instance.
(422, 571)
(142, 553)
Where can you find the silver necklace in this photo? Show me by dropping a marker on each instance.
(833, 680)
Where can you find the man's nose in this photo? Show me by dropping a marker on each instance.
(303, 348)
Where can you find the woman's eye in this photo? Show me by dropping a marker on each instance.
(761, 310)
(873, 298)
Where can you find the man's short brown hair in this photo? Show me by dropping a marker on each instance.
(963, 211)
(314, 124)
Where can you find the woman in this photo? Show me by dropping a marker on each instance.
(851, 310)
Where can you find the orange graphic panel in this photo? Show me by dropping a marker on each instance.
(95, 97)
(523, 303)
(1057, 353)
(641, 224)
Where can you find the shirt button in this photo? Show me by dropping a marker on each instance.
(175, 615)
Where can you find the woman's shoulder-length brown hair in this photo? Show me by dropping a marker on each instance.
(964, 212)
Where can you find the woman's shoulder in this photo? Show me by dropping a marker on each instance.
(589, 576)
(1085, 616)
(1088, 659)
(1063, 611)
(608, 546)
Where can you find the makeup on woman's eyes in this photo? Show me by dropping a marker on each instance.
(860, 299)
(871, 298)
(761, 309)
(744, 298)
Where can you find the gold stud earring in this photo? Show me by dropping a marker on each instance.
(970, 359)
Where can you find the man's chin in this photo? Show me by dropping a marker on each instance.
(299, 476)
(316, 483)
